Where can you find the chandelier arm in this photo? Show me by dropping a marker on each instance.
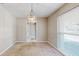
(31, 11)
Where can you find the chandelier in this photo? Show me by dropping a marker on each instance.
(31, 17)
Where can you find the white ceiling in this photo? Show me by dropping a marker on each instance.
(39, 9)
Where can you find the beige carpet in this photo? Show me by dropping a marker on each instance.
(32, 49)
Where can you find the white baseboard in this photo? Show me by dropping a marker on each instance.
(6, 49)
(33, 41)
(56, 49)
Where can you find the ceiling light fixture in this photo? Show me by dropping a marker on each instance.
(31, 18)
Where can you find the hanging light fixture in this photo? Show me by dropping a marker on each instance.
(31, 17)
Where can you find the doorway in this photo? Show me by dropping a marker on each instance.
(31, 32)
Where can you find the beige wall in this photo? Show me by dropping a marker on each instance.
(7, 29)
(20, 29)
(52, 22)
(41, 33)
(42, 29)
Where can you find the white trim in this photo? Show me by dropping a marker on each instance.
(33, 41)
(56, 48)
(7, 49)
(20, 41)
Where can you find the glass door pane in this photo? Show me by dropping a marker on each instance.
(68, 32)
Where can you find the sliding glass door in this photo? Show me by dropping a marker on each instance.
(68, 32)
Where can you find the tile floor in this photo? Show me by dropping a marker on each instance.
(32, 49)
